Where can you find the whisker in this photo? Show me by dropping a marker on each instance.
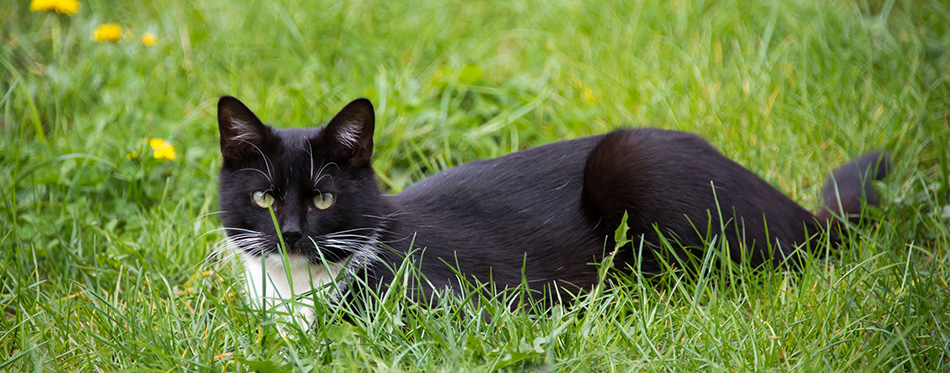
(252, 169)
(310, 157)
(270, 173)
(320, 175)
(391, 216)
(205, 215)
(238, 229)
(355, 230)
(347, 236)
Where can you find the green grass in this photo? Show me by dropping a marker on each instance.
(105, 260)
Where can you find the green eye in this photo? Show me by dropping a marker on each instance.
(263, 199)
(323, 201)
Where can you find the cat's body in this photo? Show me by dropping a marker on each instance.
(540, 216)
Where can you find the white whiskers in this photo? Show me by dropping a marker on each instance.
(267, 163)
(320, 175)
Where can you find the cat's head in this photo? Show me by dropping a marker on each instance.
(318, 183)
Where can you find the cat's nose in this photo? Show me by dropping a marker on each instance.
(290, 238)
(290, 231)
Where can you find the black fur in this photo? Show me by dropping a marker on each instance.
(543, 214)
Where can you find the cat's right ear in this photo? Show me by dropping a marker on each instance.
(241, 132)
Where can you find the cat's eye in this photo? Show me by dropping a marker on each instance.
(323, 200)
(263, 199)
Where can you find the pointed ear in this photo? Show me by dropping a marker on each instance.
(241, 131)
(350, 133)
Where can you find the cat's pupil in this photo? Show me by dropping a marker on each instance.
(263, 199)
(323, 200)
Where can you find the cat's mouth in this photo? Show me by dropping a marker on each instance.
(312, 249)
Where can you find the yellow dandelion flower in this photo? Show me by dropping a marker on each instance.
(163, 150)
(149, 39)
(132, 155)
(107, 32)
(589, 95)
(67, 7)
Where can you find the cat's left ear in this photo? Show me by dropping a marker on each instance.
(350, 133)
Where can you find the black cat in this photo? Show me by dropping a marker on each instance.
(541, 215)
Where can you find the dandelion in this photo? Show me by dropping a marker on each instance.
(107, 32)
(149, 39)
(163, 150)
(67, 7)
(589, 95)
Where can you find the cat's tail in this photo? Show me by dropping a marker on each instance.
(850, 187)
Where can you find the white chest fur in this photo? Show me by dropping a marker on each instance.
(287, 285)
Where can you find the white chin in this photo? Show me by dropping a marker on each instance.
(291, 289)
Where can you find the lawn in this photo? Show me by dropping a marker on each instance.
(107, 244)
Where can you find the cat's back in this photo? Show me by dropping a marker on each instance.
(495, 213)
(515, 179)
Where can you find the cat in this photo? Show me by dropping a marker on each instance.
(540, 216)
